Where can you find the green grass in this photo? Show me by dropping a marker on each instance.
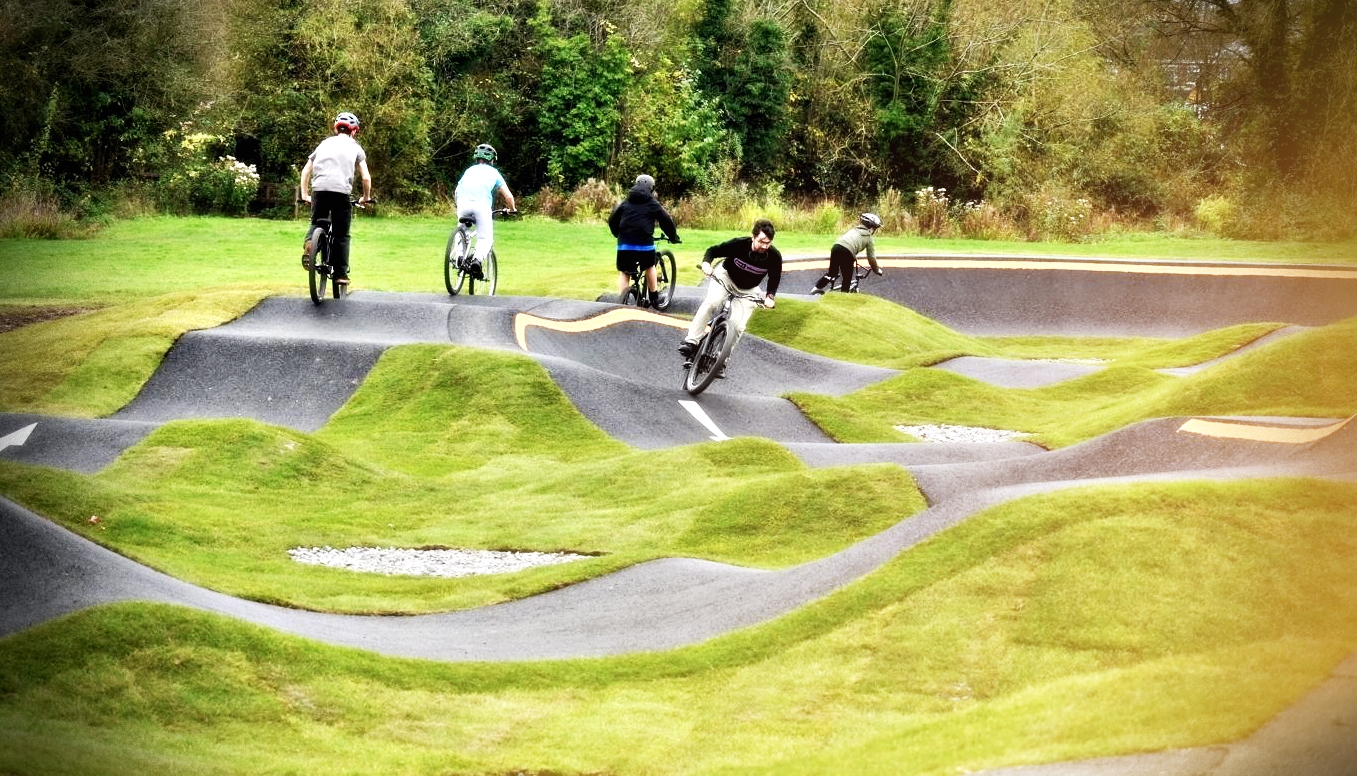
(1309, 374)
(1064, 626)
(1076, 624)
(154, 256)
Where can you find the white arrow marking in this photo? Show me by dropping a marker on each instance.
(696, 411)
(17, 437)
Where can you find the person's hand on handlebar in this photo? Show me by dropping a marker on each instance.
(769, 302)
(706, 268)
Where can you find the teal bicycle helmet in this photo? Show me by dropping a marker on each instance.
(485, 152)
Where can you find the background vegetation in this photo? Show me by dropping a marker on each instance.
(1037, 118)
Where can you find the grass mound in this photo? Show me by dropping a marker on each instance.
(1076, 624)
(1261, 381)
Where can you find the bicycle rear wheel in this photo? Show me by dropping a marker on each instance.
(453, 257)
(318, 273)
(711, 355)
(490, 273)
(666, 275)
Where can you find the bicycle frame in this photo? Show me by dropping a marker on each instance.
(459, 252)
(714, 349)
(320, 273)
(666, 273)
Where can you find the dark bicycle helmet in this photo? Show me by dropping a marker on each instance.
(485, 152)
(870, 220)
(346, 121)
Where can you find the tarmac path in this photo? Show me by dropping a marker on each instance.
(610, 361)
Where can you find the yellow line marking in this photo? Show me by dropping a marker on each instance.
(1291, 435)
(610, 318)
(1072, 265)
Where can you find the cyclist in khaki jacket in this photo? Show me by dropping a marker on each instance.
(846, 248)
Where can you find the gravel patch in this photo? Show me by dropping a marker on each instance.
(428, 563)
(971, 434)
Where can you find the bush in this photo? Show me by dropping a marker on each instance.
(1059, 217)
(195, 179)
(930, 211)
(894, 212)
(590, 201)
(30, 208)
(983, 221)
(1215, 214)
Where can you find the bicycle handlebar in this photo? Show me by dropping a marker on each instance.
(504, 212)
(755, 295)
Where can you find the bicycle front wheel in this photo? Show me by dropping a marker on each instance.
(666, 275)
(631, 297)
(711, 355)
(317, 271)
(453, 256)
(490, 275)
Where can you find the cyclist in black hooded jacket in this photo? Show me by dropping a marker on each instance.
(633, 223)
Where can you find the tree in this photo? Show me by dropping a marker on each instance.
(757, 91)
(580, 103)
(89, 83)
(924, 95)
(298, 63)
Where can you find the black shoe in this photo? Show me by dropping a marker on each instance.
(817, 290)
(474, 270)
(687, 350)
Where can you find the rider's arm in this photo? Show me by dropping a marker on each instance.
(306, 182)
(507, 195)
(367, 180)
(666, 222)
(871, 255)
(774, 277)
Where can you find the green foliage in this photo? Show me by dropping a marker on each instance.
(87, 84)
(580, 102)
(755, 97)
(298, 65)
(196, 177)
(923, 95)
(672, 131)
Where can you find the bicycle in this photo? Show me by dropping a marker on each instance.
(713, 350)
(457, 258)
(860, 271)
(666, 274)
(316, 255)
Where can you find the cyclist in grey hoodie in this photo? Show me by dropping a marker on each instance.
(633, 222)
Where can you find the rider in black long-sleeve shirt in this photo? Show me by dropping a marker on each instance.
(748, 261)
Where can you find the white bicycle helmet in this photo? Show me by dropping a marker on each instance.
(346, 121)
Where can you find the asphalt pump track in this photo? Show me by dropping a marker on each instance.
(293, 364)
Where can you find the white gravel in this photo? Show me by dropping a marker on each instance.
(428, 563)
(970, 434)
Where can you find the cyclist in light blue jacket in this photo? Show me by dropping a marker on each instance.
(476, 198)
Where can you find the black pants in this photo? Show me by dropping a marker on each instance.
(840, 263)
(335, 206)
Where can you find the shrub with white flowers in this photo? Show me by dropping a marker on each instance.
(199, 180)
